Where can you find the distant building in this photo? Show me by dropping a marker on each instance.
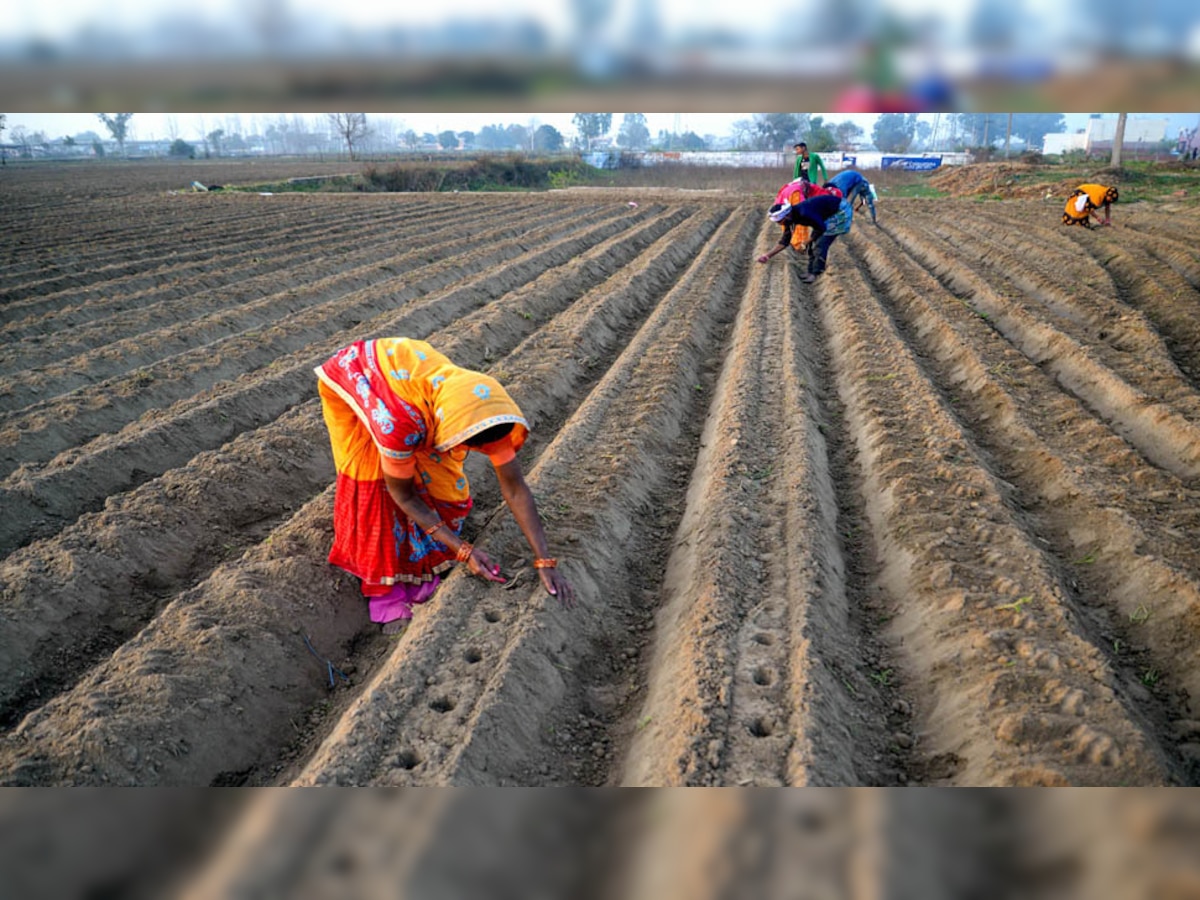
(1141, 134)
(1058, 144)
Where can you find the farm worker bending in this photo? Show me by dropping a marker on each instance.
(1082, 205)
(827, 215)
(402, 418)
(799, 190)
(792, 194)
(807, 164)
(854, 187)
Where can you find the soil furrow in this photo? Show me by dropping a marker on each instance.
(42, 501)
(260, 304)
(477, 709)
(1178, 253)
(1093, 502)
(1078, 293)
(168, 249)
(161, 245)
(1163, 434)
(739, 691)
(33, 437)
(182, 515)
(1085, 309)
(265, 267)
(981, 618)
(1162, 296)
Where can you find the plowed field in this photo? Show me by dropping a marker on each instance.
(931, 520)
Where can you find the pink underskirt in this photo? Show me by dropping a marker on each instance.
(399, 601)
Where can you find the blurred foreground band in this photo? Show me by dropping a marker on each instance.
(594, 843)
(860, 55)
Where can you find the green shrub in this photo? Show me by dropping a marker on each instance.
(513, 171)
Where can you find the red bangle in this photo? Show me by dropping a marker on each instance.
(548, 562)
(464, 551)
(432, 528)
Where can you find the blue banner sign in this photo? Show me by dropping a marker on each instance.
(912, 163)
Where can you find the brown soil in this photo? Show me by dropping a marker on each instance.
(1008, 180)
(928, 521)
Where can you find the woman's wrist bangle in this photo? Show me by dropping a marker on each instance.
(548, 562)
(464, 551)
(434, 527)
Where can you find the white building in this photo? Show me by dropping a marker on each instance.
(1140, 134)
(1057, 144)
(1149, 132)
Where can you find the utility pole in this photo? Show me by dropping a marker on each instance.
(1118, 141)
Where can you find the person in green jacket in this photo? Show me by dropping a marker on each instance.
(807, 165)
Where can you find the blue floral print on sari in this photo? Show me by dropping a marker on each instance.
(362, 387)
(382, 417)
(420, 544)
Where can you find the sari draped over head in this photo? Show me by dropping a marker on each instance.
(1086, 198)
(797, 191)
(398, 407)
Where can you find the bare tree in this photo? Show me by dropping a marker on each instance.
(351, 126)
(118, 127)
(384, 135)
(172, 128)
(1118, 141)
(20, 137)
(203, 129)
(740, 131)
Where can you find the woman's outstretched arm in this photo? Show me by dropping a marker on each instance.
(520, 500)
(418, 511)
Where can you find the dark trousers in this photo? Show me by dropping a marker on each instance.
(818, 253)
(861, 192)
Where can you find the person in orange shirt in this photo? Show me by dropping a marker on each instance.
(402, 418)
(1087, 199)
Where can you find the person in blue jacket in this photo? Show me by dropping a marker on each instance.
(828, 215)
(855, 187)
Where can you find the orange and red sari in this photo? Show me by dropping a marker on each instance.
(397, 406)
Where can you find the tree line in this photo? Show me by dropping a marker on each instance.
(356, 134)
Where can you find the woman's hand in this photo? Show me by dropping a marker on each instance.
(764, 258)
(479, 563)
(554, 583)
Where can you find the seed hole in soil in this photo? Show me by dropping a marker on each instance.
(441, 704)
(763, 675)
(491, 616)
(761, 728)
(765, 639)
(407, 759)
(472, 655)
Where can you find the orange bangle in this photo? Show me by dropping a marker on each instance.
(548, 563)
(432, 528)
(464, 551)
